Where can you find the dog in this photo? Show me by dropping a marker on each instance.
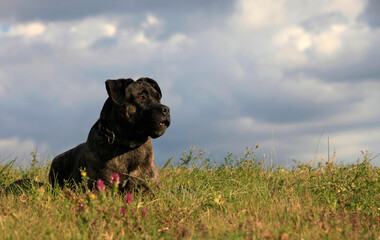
(120, 140)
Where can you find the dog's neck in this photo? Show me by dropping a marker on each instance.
(113, 138)
(110, 128)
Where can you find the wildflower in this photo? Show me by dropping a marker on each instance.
(115, 179)
(134, 210)
(129, 198)
(83, 173)
(93, 223)
(92, 196)
(123, 210)
(100, 185)
(81, 207)
(143, 212)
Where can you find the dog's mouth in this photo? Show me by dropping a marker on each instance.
(164, 123)
(160, 128)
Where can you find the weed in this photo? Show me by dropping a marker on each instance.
(198, 199)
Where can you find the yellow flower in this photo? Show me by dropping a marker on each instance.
(219, 200)
(83, 174)
(92, 196)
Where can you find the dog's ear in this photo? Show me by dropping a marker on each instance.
(116, 89)
(153, 83)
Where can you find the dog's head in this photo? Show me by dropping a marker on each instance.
(138, 106)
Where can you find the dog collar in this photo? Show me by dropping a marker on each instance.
(111, 137)
(109, 134)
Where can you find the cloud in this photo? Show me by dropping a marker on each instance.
(25, 11)
(355, 62)
(298, 47)
(349, 8)
(59, 76)
(324, 21)
(151, 21)
(294, 35)
(259, 14)
(15, 148)
(27, 30)
(371, 13)
(232, 72)
(362, 110)
(330, 42)
(80, 45)
(349, 146)
(80, 34)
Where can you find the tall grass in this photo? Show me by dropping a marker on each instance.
(238, 199)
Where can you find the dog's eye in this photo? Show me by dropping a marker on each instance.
(141, 98)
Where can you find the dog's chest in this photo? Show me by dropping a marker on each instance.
(120, 160)
(125, 162)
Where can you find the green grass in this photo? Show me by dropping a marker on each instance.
(239, 199)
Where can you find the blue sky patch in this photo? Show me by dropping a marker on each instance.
(5, 28)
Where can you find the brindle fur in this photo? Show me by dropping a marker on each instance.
(134, 122)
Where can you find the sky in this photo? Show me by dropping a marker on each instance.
(299, 78)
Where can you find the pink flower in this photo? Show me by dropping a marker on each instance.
(115, 179)
(133, 210)
(129, 198)
(123, 210)
(143, 212)
(94, 222)
(100, 185)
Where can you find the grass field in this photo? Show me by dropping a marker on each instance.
(239, 199)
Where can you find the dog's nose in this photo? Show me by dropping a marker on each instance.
(165, 110)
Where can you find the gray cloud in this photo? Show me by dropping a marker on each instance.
(367, 68)
(35, 118)
(371, 13)
(104, 43)
(321, 23)
(283, 109)
(176, 11)
(220, 73)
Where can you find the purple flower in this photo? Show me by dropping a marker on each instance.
(143, 212)
(115, 179)
(100, 185)
(123, 210)
(128, 198)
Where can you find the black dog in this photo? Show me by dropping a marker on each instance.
(120, 141)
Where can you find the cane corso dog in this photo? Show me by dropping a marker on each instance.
(120, 141)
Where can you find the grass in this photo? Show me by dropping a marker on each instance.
(239, 199)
